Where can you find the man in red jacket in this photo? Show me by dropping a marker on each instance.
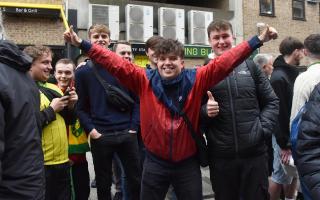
(170, 149)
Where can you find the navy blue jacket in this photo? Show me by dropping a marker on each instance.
(93, 109)
(308, 144)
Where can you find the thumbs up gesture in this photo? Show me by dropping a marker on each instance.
(269, 33)
(212, 106)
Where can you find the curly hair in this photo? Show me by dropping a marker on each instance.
(37, 51)
(169, 46)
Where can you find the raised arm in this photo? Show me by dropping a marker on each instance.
(129, 74)
(218, 68)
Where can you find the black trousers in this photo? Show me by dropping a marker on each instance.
(80, 181)
(240, 178)
(126, 146)
(157, 176)
(58, 185)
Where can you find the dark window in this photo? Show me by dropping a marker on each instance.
(267, 7)
(298, 9)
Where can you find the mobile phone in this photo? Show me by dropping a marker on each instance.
(67, 92)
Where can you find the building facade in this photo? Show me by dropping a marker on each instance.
(297, 18)
(29, 22)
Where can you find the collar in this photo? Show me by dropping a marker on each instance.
(185, 81)
(314, 66)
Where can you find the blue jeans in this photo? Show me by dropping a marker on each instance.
(157, 175)
(126, 147)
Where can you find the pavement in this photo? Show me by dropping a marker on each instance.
(206, 185)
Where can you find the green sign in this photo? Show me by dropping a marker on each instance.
(196, 51)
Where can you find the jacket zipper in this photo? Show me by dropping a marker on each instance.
(171, 138)
(233, 117)
(235, 83)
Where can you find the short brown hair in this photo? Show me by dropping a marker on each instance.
(99, 28)
(152, 42)
(312, 44)
(289, 44)
(169, 46)
(37, 51)
(66, 61)
(218, 25)
(114, 48)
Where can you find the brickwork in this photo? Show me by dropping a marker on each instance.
(26, 31)
(34, 30)
(282, 21)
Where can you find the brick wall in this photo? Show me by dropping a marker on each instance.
(282, 22)
(26, 31)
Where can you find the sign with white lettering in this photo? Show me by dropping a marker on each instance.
(31, 11)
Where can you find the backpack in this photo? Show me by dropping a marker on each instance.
(295, 130)
(293, 139)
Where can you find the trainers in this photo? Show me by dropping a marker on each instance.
(93, 183)
(117, 196)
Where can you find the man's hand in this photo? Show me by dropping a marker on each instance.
(59, 103)
(71, 37)
(285, 156)
(94, 134)
(268, 34)
(212, 106)
(73, 98)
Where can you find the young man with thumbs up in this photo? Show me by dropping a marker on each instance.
(236, 136)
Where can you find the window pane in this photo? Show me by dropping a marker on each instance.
(298, 9)
(266, 7)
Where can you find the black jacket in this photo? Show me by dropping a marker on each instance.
(21, 158)
(248, 111)
(308, 144)
(282, 81)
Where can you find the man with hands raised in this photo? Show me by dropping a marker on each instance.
(164, 93)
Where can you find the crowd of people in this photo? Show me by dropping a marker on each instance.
(143, 125)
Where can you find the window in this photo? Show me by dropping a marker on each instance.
(267, 7)
(298, 9)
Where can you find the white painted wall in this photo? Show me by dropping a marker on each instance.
(82, 6)
(237, 20)
(2, 32)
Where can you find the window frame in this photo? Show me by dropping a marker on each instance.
(303, 9)
(272, 14)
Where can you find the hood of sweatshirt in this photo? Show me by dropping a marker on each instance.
(11, 55)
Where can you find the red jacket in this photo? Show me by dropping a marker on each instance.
(163, 135)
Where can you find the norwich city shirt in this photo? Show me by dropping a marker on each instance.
(54, 135)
